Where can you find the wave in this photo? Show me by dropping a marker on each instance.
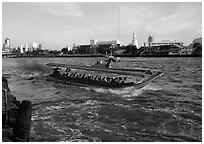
(153, 87)
(174, 79)
(125, 92)
(30, 75)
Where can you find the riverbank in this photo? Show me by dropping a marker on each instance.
(98, 55)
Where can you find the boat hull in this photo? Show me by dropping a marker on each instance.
(133, 72)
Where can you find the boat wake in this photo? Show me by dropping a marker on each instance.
(30, 75)
(125, 92)
(152, 87)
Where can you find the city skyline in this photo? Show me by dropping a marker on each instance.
(59, 24)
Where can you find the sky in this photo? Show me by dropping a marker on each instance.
(56, 25)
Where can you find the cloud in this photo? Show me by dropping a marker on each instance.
(162, 19)
(167, 25)
(183, 19)
(199, 30)
(135, 16)
(78, 36)
(62, 8)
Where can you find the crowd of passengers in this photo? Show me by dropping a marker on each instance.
(115, 80)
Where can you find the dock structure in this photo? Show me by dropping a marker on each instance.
(6, 54)
(16, 116)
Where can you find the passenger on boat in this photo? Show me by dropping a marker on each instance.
(94, 77)
(69, 74)
(103, 79)
(99, 78)
(108, 64)
(67, 70)
(122, 82)
(75, 75)
(81, 76)
(120, 78)
(108, 79)
(65, 73)
(56, 71)
(72, 74)
(85, 76)
(114, 80)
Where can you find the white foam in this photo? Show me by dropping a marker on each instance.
(29, 75)
(125, 92)
(152, 87)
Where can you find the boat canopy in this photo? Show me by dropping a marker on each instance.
(133, 72)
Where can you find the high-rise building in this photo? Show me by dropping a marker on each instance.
(26, 47)
(21, 48)
(34, 45)
(69, 48)
(6, 45)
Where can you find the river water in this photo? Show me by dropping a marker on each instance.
(168, 109)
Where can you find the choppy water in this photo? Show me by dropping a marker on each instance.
(168, 109)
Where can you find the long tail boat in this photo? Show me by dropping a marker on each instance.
(101, 76)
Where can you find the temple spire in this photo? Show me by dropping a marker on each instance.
(134, 40)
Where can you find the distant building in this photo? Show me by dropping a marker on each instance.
(164, 42)
(197, 40)
(69, 48)
(162, 50)
(150, 39)
(197, 46)
(74, 48)
(34, 45)
(21, 48)
(96, 46)
(134, 41)
(151, 43)
(112, 42)
(6, 45)
(40, 46)
(167, 42)
(165, 47)
(191, 48)
(93, 42)
(84, 49)
(105, 47)
(26, 48)
(186, 50)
